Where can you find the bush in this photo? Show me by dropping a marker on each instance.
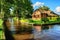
(24, 20)
(36, 21)
(45, 19)
(58, 19)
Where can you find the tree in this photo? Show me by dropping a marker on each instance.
(5, 9)
(23, 8)
(44, 8)
(28, 8)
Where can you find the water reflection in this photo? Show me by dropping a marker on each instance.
(46, 32)
(50, 32)
(12, 28)
(56, 27)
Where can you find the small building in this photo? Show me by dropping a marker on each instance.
(39, 14)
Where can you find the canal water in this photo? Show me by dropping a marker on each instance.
(49, 32)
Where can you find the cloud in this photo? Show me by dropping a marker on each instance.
(38, 4)
(58, 9)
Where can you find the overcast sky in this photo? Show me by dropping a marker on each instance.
(54, 5)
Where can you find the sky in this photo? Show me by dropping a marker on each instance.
(54, 5)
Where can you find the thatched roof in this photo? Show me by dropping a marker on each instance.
(49, 13)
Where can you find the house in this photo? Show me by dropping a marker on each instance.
(39, 14)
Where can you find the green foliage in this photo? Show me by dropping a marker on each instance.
(24, 20)
(5, 7)
(36, 21)
(1, 22)
(58, 19)
(20, 8)
(44, 8)
(45, 19)
(23, 8)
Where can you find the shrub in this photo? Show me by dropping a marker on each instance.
(45, 20)
(36, 21)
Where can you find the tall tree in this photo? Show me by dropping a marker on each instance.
(23, 8)
(5, 9)
(28, 9)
